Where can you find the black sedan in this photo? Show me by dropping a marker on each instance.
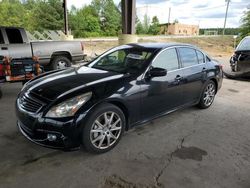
(94, 104)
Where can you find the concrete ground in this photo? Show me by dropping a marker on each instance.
(189, 148)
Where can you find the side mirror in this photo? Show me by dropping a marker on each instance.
(157, 72)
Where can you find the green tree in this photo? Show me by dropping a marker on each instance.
(12, 13)
(154, 28)
(84, 22)
(245, 27)
(49, 15)
(110, 16)
(146, 21)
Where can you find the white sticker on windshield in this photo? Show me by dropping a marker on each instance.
(135, 56)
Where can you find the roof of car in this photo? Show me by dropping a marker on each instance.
(157, 45)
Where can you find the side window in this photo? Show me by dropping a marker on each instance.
(200, 56)
(188, 57)
(14, 36)
(1, 38)
(167, 60)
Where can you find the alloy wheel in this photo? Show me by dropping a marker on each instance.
(209, 94)
(106, 130)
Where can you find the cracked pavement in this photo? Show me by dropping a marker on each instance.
(188, 148)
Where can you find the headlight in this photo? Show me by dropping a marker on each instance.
(68, 107)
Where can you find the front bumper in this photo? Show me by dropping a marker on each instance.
(37, 129)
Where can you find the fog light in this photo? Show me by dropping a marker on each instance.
(51, 137)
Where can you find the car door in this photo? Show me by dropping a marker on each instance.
(17, 46)
(194, 70)
(160, 94)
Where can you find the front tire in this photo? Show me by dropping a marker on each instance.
(208, 95)
(104, 129)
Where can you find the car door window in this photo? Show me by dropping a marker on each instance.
(188, 57)
(14, 36)
(167, 59)
(200, 56)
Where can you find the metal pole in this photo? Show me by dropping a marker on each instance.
(128, 16)
(66, 27)
(228, 1)
(169, 13)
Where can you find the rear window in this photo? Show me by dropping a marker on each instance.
(188, 57)
(1, 38)
(200, 56)
(14, 36)
(244, 44)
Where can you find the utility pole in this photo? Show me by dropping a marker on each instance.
(228, 1)
(169, 13)
(66, 27)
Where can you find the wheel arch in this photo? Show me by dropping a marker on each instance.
(216, 83)
(61, 53)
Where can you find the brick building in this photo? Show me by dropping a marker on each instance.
(179, 29)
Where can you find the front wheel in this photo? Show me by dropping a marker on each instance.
(208, 95)
(104, 129)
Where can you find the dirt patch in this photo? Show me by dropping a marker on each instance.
(192, 153)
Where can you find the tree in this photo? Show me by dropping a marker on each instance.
(146, 21)
(12, 13)
(49, 15)
(245, 27)
(154, 28)
(139, 28)
(110, 16)
(84, 22)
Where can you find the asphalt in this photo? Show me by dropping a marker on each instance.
(189, 148)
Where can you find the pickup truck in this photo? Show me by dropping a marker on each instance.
(52, 55)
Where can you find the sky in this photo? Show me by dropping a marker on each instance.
(205, 13)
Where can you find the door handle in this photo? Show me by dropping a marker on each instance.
(4, 48)
(204, 69)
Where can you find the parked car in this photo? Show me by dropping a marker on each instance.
(240, 61)
(128, 85)
(52, 55)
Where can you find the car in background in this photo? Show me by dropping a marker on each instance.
(240, 61)
(128, 85)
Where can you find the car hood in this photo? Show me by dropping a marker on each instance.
(51, 86)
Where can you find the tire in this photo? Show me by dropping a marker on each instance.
(99, 137)
(60, 62)
(208, 95)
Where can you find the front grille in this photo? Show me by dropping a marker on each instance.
(30, 104)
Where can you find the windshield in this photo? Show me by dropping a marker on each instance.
(129, 60)
(244, 44)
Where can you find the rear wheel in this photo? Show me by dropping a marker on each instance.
(208, 95)
(104, 129)
(60, 62)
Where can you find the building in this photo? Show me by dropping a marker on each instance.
(179, 29)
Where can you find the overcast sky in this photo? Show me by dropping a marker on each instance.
(206, 13)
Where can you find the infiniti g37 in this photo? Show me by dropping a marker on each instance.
(93, 105)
